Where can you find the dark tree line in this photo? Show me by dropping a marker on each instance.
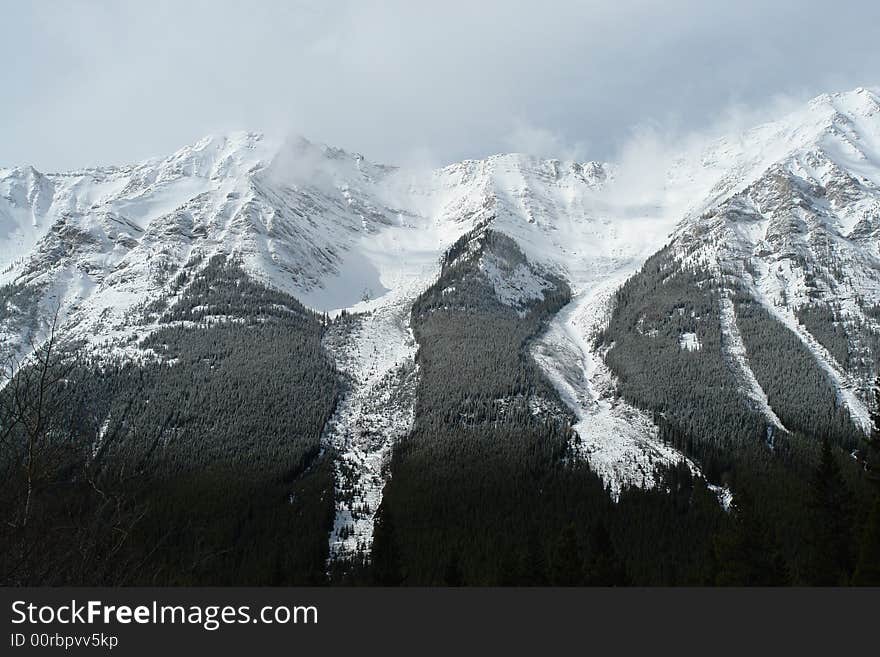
(799, 391)
(825, 324)
(486, 492)
(204, 465)
(213, 449)
(788, 486)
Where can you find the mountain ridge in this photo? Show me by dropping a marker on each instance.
(339, 232)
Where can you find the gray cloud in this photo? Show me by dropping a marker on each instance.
(96, 82)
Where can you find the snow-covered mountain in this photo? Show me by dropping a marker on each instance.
(789, 210)
(797, 228)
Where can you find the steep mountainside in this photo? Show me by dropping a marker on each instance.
(800, 239)
(690, 327)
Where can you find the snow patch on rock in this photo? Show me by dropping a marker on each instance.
(689, 342)
(376, 354)
(515, 286)
(724, 495)
(620, 442)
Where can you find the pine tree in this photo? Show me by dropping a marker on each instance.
(868, 567)
(604, 567)
(867, 571)
(872, 459)
(452, 575)
(746, 554)
(386, 559)
(534, 565)
(567, 569)
(829, 533)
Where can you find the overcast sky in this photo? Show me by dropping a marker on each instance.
(109, 82)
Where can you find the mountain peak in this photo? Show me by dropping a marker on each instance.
(219, 155)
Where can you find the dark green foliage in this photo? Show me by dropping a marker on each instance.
(453, 575)
(867, 571)
(223, 289)
(824, 324)
(868, 566)
(696, 400)
(604, 566)
(829, 538)
(662, 536)
(871, 456)
(251, 391)
(691, 393)
(799, 391)
(748, 550)
(203, 466)
(217, 444)
(485, 492)
(385, 565)
(468, 336)
(566, 566)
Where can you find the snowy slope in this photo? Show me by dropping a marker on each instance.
(376, 353)
(791, 209)
(797, 228)
(106, 240)
(618, 440)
